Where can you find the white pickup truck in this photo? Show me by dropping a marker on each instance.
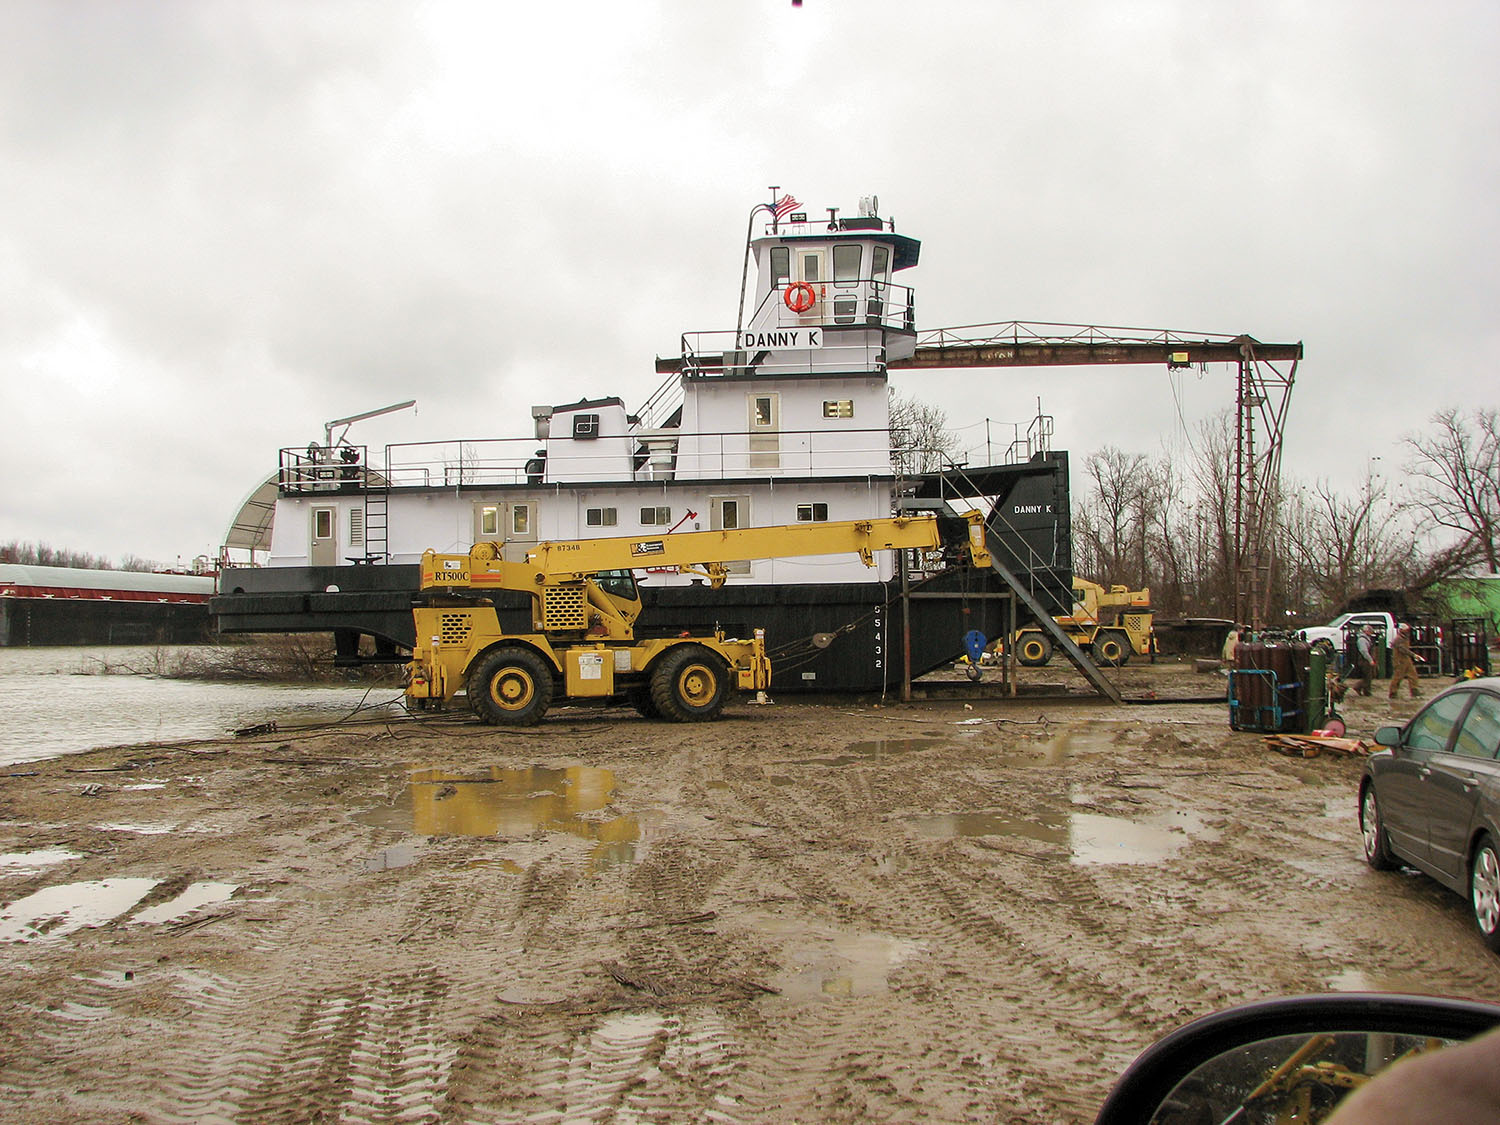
(1330, 637)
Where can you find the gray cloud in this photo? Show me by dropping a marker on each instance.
(226, 223)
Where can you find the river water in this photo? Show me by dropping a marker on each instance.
(55, 701)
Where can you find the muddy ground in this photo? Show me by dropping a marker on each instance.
(829, 911)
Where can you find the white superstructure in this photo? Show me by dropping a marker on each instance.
(782, 420)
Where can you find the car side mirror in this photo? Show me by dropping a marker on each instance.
(1274, 1059)
(1388, 736)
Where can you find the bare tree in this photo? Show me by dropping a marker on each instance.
(44, 554)
(1457, 487)
(1339, 545)
(1177, 546)
(1212, 475)
(1112, 521)
(920, 440)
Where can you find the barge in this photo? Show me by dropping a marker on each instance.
(58, 605)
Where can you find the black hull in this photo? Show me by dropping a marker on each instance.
(852, 637)
(821, 638)
(27, 622)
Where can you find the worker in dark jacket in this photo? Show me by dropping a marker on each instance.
(1404, 663)
(1364, 661)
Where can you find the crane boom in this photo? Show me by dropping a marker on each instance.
(697, 552)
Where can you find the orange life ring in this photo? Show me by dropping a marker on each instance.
(799, 296)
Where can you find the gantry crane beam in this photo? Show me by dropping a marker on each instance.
(1019, 344)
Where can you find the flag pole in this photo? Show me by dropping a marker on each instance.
(739, 322)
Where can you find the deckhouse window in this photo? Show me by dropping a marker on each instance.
(846, 257)
(489, 521)
(656, 517)
(781, 265)
(812, 513)
(812, 266)
(520, 519)
(838, 408)
(323, 523)
(599, 517)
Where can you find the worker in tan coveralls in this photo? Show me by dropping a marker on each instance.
(1403, 665)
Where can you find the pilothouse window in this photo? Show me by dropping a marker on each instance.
(881, 265)
(781, 265)
(846, 262)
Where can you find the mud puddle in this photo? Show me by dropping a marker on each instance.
(54, 912)
(193, 897)
(1050, 748)
(30, 863)
(1088, 838)
(508, 803)
(830, 963)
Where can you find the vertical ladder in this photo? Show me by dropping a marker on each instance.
(377, 515)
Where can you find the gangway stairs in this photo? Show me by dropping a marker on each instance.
(1045, 621)
(1021, 590)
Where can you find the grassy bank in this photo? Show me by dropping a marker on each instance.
(291, 658)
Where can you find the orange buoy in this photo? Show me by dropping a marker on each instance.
(799, 296)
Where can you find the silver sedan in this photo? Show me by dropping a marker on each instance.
(1431, 797)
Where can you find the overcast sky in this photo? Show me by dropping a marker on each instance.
(224, 223)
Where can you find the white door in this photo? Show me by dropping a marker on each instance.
(324, 539)
(511, 523)
(765, 430)
(812, 267)
(726, 512)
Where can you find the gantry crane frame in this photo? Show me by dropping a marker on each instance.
(1264, 375)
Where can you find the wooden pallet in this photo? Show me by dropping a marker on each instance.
(1312, 745)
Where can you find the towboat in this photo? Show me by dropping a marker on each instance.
(784, 419)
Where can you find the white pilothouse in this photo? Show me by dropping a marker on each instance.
(782, 421)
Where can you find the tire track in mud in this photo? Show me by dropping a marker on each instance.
(973, 960)
(1066, 942)
(630, 1026)
(619, 1064)
(372, 1052)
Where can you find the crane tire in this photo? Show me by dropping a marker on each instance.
(1033, 650)
(689, 684)
(1111, 648)
(640, 699)
(510, 686)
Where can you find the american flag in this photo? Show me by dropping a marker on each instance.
(785, 206)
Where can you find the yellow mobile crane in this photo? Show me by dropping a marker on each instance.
(584, 604)
(1111, 623)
